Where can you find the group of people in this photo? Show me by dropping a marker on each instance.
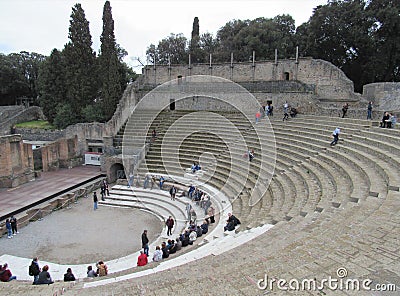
(171, 246)
(41, 276)
(11, 226)
(231, 223)
(389, 120)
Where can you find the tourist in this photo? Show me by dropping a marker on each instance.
(185, 238)
(158, 255)
(9, 229)
(161, 182)
(103, 192)
(13, 222)
(344, 109)
(285, 111)
(142, 259)
(146, 181)
(204, 227)
(171, 246)
(102, 269)
(178, 244)
(153, 181)
(270, 110)
(95, 200)
(251, 154)
(211, 213)
(154, 134)
(293, 112)
(6, 275)
(393, 120)
(385, 119)
(34, 269)
(258, 115)
(164, 249)
(192, 237)
(335, 135)
(69, 276)
(233, 218)
(230, 225)
(137, 180)
(106, 187)
(130, 180)
(145, 242)
(172, 192)
(90, 272)
(170, 224)
(191, 191)
(44, 277)
(369, 111)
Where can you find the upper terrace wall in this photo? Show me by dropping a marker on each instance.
(385, 95)
(328, 81)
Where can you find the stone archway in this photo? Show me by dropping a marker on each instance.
(116, 172)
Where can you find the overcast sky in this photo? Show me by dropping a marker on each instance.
(41, 25)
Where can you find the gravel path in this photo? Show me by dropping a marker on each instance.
(80, 235)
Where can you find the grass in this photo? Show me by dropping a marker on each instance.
(42, 124)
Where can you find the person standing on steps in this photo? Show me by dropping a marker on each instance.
(13, 222)
(285, 111)
(145, 242)
(9, 229)
(95, 200)
(172, 192)
(344, 109)
(369, 111)
(161, 182)
(130, 180)
(170, 224)
(335, 135)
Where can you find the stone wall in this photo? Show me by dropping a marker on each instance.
(327, 80)
(384, 95)
(36, 134)
(60, 154)
(28, 114)
(16, 161)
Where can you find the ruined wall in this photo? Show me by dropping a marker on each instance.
(25, 114)
(327, 80)
(60, 154)
(16, 161)
(384, 95)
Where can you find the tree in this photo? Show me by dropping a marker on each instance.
(385, 16)
(340, 32)
(81, 80)
(52, 84)
(196, 54)
(171, 49)
(109, 65)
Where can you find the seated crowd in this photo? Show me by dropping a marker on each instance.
(188, 237)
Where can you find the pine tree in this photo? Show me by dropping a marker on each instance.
(109, 65)
(81, 72)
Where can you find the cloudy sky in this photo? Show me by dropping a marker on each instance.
(41, 25)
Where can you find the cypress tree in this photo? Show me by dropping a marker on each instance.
(109, 65)
(81, 60)
(51, 84)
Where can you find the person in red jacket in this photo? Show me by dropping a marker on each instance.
(6, 275)
(142, 259)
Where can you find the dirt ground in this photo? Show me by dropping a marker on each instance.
(79, 235)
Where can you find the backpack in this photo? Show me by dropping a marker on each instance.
(33, 270)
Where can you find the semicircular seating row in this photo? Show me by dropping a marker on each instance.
(329, 205)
